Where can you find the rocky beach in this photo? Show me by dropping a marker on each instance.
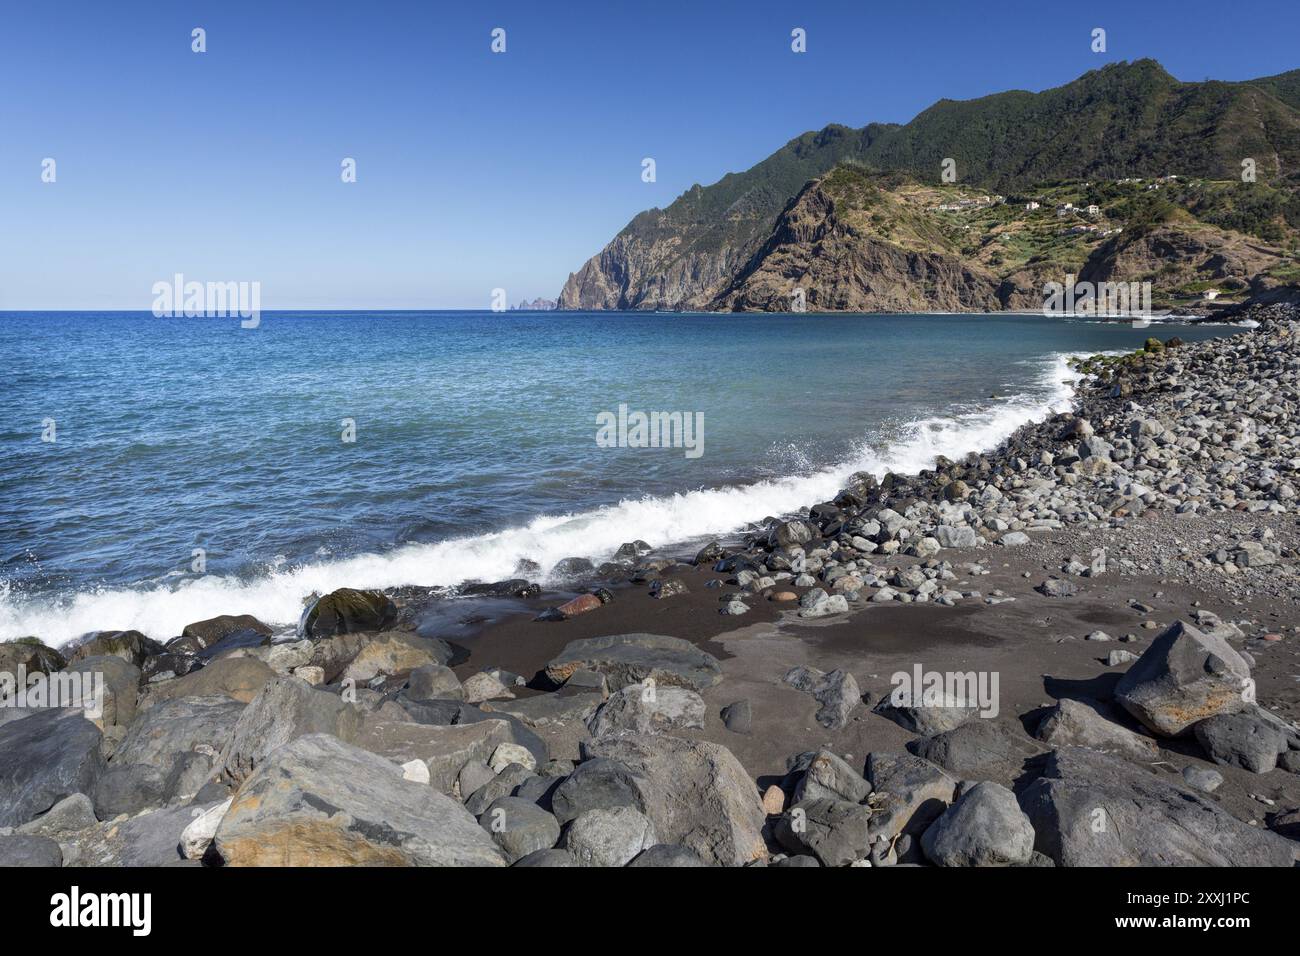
(1079, 649)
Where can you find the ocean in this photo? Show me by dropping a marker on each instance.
(158, 471)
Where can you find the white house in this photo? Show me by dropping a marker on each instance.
(1031, 206)
(1094, 211)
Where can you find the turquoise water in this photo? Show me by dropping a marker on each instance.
(475, 442)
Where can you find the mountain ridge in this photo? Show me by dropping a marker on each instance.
(1122, 121)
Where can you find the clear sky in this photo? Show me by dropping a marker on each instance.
(476, 170)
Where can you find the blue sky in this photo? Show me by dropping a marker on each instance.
(475, 170)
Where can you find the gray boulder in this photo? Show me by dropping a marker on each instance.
(284, 709)
(1185, 676)
(550, 710)
(69, 815)
(432, 682)
(168, 753)
(609, 837)
(148, 839)
(666, 855)
(979, 750)
(440, 713)
(507, 783)
(43, 758)
(443, 750)
(738, 717)
(316, 801)
(596, 784)
(1240, 740)
(696, 794)
(1076, 723)
(121, 687)
(1057, 588)
(363, 656)
(202, 635)
(631, 658)
(826, 776)
(239, 678)
(908, 794)
(984, 827)
(836, 832)
(953, 537)
(947, 712)
(838, 694)
(519, 827)
(25, 850)
(1093, 809)
(646, 708)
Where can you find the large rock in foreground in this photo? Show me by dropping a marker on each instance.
(695, 793)
(1183, 677)
(168, 753)
(909, 793)
(286, 708)
(44, 758)
(1092, 809)
(631, 658)
(317, 801)
(985, 827)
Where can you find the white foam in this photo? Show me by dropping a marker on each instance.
(162, 610)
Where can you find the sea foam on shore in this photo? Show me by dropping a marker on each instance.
(160, 610)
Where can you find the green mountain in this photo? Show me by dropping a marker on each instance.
(1120, 122)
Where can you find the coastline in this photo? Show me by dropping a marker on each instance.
(1152, 513)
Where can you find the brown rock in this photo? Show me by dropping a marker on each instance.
(773, 800)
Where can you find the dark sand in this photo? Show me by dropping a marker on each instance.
(1035, 644)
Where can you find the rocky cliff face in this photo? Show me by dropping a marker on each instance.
(659, 265)
(682, 257)
(1184, 254)
(748, 241)
(844, 268)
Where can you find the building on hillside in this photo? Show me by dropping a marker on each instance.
(1031, 206)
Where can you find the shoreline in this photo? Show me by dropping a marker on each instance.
(74, 615)
(680, 709)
